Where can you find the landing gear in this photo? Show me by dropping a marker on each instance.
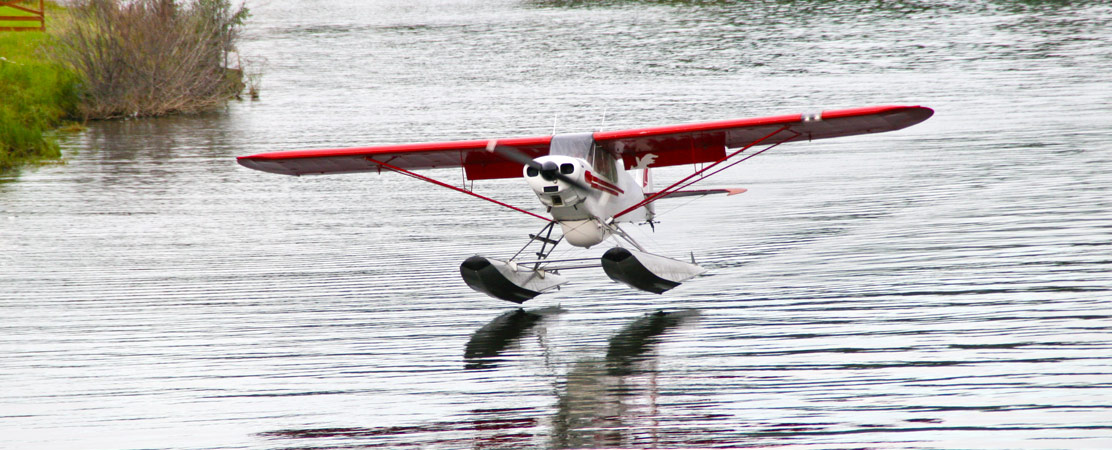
(646, 271)
(506, 280)
(512, 280)
(517, 281)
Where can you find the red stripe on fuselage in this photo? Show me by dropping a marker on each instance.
(602, 185)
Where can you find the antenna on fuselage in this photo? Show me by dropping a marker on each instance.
(554, 116)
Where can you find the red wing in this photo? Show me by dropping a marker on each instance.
(473, 156)
(645, 147)
(707, 142)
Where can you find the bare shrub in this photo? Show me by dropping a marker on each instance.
(152, 57)
(253, 74)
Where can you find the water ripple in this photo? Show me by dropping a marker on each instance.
(944, 286)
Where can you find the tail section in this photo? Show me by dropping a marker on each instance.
(646, 180)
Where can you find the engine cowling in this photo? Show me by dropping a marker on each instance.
(551, 191)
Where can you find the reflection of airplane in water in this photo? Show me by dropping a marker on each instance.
(613, 401)
(603, 401)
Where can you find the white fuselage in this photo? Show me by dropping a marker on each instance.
(586, 216)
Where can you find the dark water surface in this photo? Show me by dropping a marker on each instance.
(945, 286)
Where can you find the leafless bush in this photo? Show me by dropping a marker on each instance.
(253, 74)
(152, 57)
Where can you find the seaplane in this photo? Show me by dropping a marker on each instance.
(591, 184)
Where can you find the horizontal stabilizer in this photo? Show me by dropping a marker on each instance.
(646, 271)
(507, 281)
(698, 192)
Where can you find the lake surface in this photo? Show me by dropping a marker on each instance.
(944, 286)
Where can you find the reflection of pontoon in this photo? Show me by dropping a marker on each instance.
(612, 401)
(604, 402)
(489, 341)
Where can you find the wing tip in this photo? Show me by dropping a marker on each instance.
(254, 163)
(897, 117)
(916, 114)
(925, 111)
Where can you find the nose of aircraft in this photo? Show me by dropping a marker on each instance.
(549, 170)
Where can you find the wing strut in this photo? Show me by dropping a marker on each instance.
(443, 184)
(681, 184)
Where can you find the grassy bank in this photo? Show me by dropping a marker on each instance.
(36, 95)
(107, 59)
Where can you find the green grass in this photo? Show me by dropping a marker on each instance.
(36, 95)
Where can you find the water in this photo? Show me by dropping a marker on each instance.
(945, 286)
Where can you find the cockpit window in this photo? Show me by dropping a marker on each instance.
(567, 168)
(532, 171)
(603, 163)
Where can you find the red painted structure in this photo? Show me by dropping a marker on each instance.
(38, 15)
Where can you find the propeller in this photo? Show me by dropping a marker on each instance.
(549, 170)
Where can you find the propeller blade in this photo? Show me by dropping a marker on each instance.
(512, 154)
(520, 157)
(574, 183)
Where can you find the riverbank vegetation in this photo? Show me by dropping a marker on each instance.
(109, 59)
(151, 57)
(36, 93)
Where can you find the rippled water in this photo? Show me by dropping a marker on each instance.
(944, 286)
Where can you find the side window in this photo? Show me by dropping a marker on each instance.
(603, 163)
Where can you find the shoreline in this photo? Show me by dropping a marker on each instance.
(49, 84)
(39, 96)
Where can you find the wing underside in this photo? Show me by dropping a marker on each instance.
(641, 148)
(707, 142)
(478, 162)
